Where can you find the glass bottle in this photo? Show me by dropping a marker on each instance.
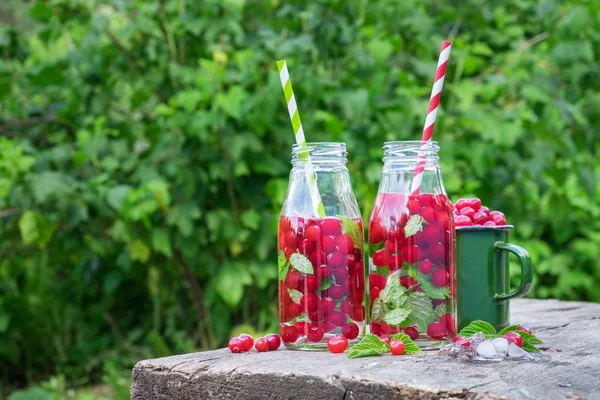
(321, 267)
(412, 249)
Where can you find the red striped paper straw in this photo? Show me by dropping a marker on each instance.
(434, 102)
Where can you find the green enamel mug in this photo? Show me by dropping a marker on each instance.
(483, 274)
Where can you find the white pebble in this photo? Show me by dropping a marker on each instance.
(486, 349)
(501, 345)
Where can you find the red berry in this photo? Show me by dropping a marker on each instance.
(463, 340)
(437, 253)
(397, 347)
(436, 331)
(448, 321)
(432, 234)
(461, 203)
(309, 302)
(331, 226)
(329, 244)
(493, 213)
(411, 254)
(468, 212)
(336, 292)
(262, 344)
(429, 214)
(284, 224)
(311, 283)
(425, 266)
(290, 239)
(236, 345)
(289, 333)
(294, 280)
(335, 259)
(412, 332)
(396, 262)
(381, 258)
(274, 341)
(514, 337)
(323, 271)
(392, 246)
(525, 329)
(345, 307)
(337, 318)
(314, 334)
(317, 257)
(397, 232)
(341, 274)
(306, 247)
(351, 261)
(475, 203)
(385, 339)
(462, 220)
(374, 293)
(480, 217)
(413, 206)
(337, 344)
(247, 341)
(294, 309)
(327, 305)
(498, 219)
(376, 281)
(313, 233)
(345, 244)
(439, 278)
(350, 331)
(490, 223)
(427, 199)
(376, 233)
(302, 327)
(484, 209)
(358, 313)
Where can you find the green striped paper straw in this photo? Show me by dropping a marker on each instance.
(311, 177)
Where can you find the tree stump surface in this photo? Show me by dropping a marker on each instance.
(572, 372)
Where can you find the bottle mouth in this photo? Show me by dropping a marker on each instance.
(320, 153)
(410, 151)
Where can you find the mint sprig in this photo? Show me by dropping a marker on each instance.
(409, 346)
(351, 228)
(477, 326)
(429, 288)
(529, 340)
(301, 264)
(283, 265)
(414, 225)
(296, 295)
(398, 316)
(422, 310)
(371, 345)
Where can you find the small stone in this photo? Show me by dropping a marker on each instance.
(501, 346)
(486, 349)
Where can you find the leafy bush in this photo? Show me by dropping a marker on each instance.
(145, 151)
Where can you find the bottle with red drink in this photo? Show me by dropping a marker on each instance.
(412, 250)
(321, 266)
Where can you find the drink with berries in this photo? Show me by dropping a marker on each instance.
(412, 277)
(321, 266)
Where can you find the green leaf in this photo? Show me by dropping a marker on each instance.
(296, 295)
(351, 228)
(429, 288)
(35, 228)
(440, 310)
(409, 346)
(378, 310)
(414, 225)
(49, 184)
(422, 311)
(232, 101)
(300, 318)
(530, 347)
(477, 326)
(161, 241)
(397, 316)
(327, 283)
(230, 282)
(510, 328)
(371, 345)
(529, 338)
(383, 271)
(32, 393)
(393, 293)
(117, 195)
(282, 265)
(301, 264)
(139, 251)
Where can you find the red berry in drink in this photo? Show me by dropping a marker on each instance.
(397, 231)
(327, 305)
(462, 220)
(425, 266)
(514, 337)
(345, 307)
(331, 227)
(288, 251)
(290, 239)
(381, 258)
(376, 281)
(323, 271)
(337, 344)
(358, 313)
(432, 234)
(427, 199)
(374, 293)
(274, 341)
(525, 329)
(350, 331)
(376, 329)
(336, 292)
(396, 262)
(412, 332)
(311, 283)
(410, 254)
(448, 321)
(247, 341)
(294, 280)
(475, 203)
(386, 340)
(236, 345)
(294, 310)
(436, 253)
(468, 212)
(318, 257)
(461, 203)
(313, 233)
(436, 331)
(284, 224)
(289, 333)
(345, 244)
(262, 344)
(413, 206)
(489, 223)
(329, 244)
(302, 327)
(337, 318)
(439, 278)
(376, 233)
(429, 214)
(309, 301)
(341, 274)
(306, 247)
(335, 259)
(397, 347)
(392, 246)
(315, 334)
(463, 341)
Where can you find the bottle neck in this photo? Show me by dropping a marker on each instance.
(319, 156)
(409, 154)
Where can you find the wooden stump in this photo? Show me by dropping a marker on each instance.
(572, 372)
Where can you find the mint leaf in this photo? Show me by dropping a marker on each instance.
(409, 346)
(385, 271)
(422, 311)
(510, 328)
(351, 228)
(429, 288)
(393, 290)
(371, 345)
(295, 295)
(326, 283)
(477, 326)
(397, 316)
(378, 310)
(301, 263)
(530, 347)
(440, 310)
(414, 225)
(302, 317)
(374, 247)
(283, 265)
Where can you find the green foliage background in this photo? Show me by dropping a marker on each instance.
(144, 153)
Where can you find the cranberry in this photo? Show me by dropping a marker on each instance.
(340, 274)
(345, 307)
(358, 313)
(294, 280)
(468, 212)
(345, 244)
(302, 327)
(313, 233)
(350, 331)
(290, 239)
(337, 344)
(332, 226)
(448, 321)
(396, 262)
(397, 232)
(475, 203)
(329, 244)
(397, 347)
(392, 246)
(306, 247)
(324, 271)
(337, 318)
(381, 258)
(411, 254)
(461, 203)
(439, 278)
(463, 341)
(274, 341)
(437, 253)
(376, 329)
(429, 214)
(327, 305)
(376, 281)
(284, 224)
(525, 329)
(432, 234)
(326, 326)
(462, 220)
(480, 217)
(309, 301)
(236, 345)
(288, 251)
(314, 334)
(413, 206)
(412, 332)
(262, 344)
(489, 223)
(514, 337)
(484, 209)
(294, 310)
(386, 340)
(317, 257)
(425, 266)
(374, 293)
(311, 283)
(247, 341)
(289, 333)
(336, 292)
(376, 233)
(498, 218)
(335, 259)
(436, 331)
(351, 261)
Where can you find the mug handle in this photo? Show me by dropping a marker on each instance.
(526, 270)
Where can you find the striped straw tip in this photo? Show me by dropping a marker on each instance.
(446, 44)
(280, 64)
